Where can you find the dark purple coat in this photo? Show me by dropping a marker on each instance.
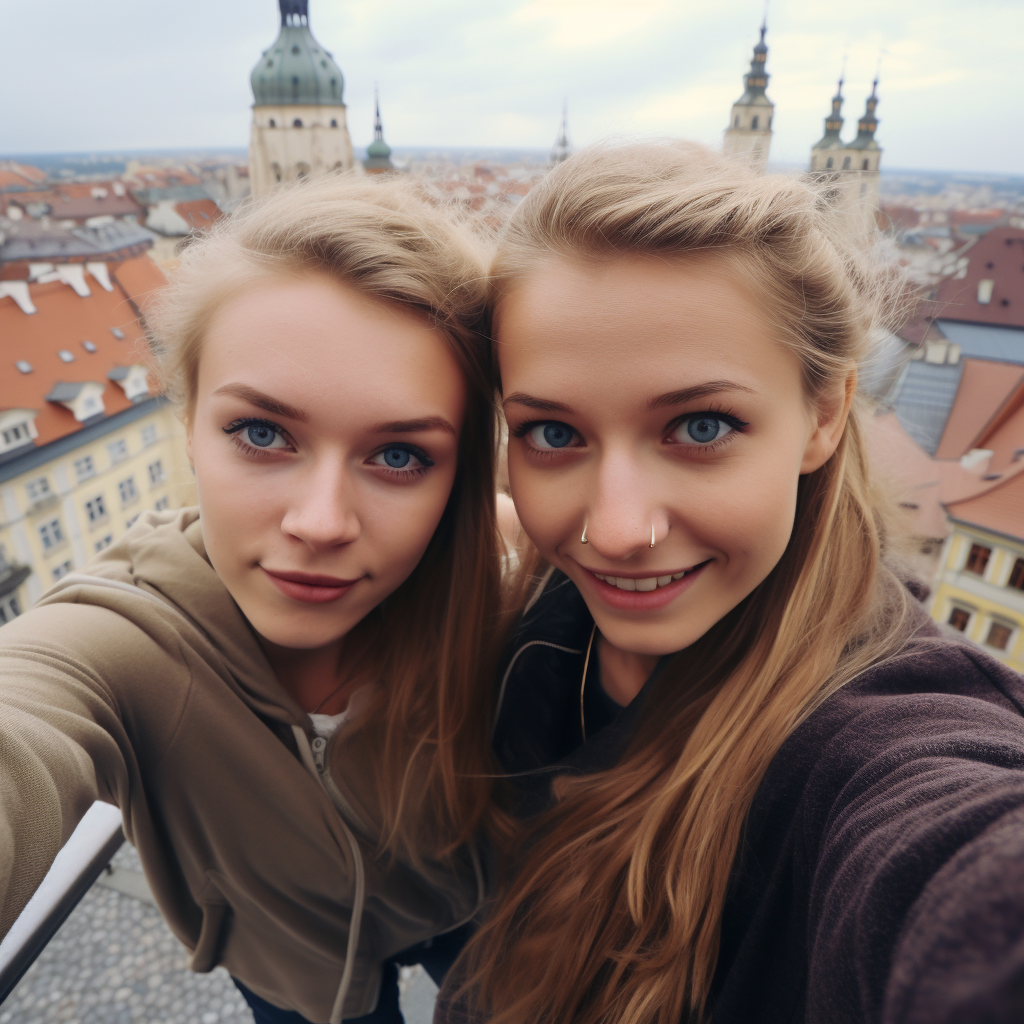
(881, 875)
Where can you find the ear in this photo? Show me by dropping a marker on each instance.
(831, 413)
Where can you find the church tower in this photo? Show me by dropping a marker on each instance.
(827, 154)
(750, 129)
(864, 154)
(378, 152)
(563, 148)
(298, 114)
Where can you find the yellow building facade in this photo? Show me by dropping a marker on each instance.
(980, 590)
(64, 502)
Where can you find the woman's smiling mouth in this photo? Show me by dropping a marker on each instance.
(643, 592)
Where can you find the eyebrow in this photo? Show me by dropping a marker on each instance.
(414, 426)
(262, 401)
(690, 394)
(712, 387)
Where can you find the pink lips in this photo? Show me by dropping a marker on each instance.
(642, 600)
(312, 589)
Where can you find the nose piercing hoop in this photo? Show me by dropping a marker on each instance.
(583, 539)
(652, 536)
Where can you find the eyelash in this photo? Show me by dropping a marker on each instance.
(738, 425)
(237, 426)
(233, 429)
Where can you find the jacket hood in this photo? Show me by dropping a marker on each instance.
(159, 571)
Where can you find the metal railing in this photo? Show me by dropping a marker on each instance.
(79, 863)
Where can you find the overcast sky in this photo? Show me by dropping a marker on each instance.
(128, 74)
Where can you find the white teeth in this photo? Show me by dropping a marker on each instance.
(645, 584)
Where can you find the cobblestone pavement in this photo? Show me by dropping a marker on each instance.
(115, 962)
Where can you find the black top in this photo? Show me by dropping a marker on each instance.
(881, 876)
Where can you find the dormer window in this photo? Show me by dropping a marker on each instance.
(17, 428)
(23, 366)
(66, 356)
(89, 346)
(133, 381)
(117, 333)
(83, 399)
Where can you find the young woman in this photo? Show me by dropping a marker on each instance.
(281, 689)
(759, 786)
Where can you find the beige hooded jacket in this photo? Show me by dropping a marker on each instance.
(138, 682)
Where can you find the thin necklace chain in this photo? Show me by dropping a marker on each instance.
(583, 684)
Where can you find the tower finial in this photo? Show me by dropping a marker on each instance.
(378, 125)
(563, 148)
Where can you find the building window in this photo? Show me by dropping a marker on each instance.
(96, 509)
(828, 163)
(18, 434)
(84, 468)
(9, 609)
(273, 123)
(736, 121)
(149, 435)
(162, 503)
(753, 124)
(998, 636)
(131, 522)
(1017, 575)
(846, 164)
(118, 451)
(104, 542)
(128, 490)
(61, 570)
(864, 166)
(334, 122)
(38, 489)
(958, 618)
(297, 123)
(156, 473)
(977, 559)
(51, 534)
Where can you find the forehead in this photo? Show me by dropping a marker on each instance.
(637, 323)
(316, 342)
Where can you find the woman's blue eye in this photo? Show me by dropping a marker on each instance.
(409, 461)
(397, 458)
(260, 435)
(702, 429)
(550, 436)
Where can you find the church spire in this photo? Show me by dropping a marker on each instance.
(563, 148)
(868, 124)
(378, 152)
(750, 124)
(833, 122)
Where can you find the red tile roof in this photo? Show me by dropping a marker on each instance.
(1004, 435)
(62, 322)
(999, 508)
(998, 257)
(199, 213)
(75, 201)
(984, 388)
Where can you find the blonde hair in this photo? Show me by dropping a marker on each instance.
(383, 238)
(613, 914)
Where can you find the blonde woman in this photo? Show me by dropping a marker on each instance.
(757, 786)
(281, 688)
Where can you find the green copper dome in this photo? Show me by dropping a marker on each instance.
(296, 70)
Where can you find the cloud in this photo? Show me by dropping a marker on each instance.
(125, 73)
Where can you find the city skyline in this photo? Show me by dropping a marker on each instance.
(117, 77)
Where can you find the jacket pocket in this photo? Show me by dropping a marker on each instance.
(213, 931)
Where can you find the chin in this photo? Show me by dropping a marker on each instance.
(655, 641)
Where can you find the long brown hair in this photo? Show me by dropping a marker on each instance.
(613, 914)
(381, 237)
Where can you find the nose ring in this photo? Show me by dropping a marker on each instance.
(652, 535)
(583, 539)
